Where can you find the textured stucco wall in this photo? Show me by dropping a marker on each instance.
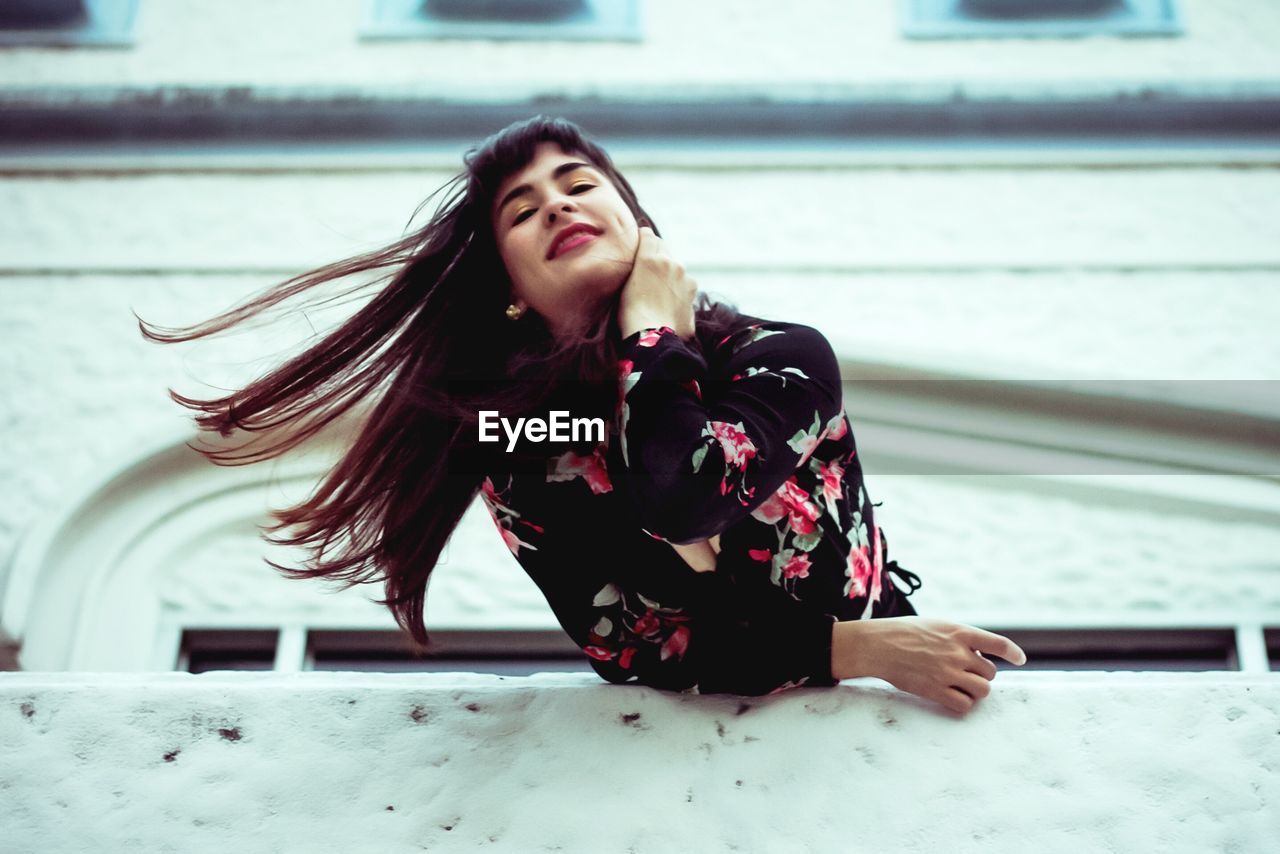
(1139, 274)
(343, 762)
(1034, 263)
(83, 388)
(307, 42)
(806, 217)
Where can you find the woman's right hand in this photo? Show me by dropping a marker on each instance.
(935, 659)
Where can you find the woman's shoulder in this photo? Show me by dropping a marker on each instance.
(754, 330)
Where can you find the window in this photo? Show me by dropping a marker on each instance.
(67, 23)
(1272, 640)
(202, 650)
(507, 652)
(516, 652)
(596, 20)
(926, 19)
(1123, 649)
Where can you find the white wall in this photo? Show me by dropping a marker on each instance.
(1151, 262)
(346, 762)
(686, 46)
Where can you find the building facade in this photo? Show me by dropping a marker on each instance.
(1051, 244)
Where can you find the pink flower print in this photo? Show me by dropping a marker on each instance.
(762, 555)
(727, 337)
(649, 337)
(731, 334)
(805, 442)
(504, 525)
(791, 501)
(788, 685)
(625, 367)
(756, 333)
(878, 565)
(647, 625)
(832, 475)
(598, 652)
(490, 493)
(512, 541)
(692, 385)
(677, 644)
(797, 566)
(591, 468)
(737, 447)
(837, 426)
(624, 660)
(859, 570)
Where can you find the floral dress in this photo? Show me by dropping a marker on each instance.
(750, 443)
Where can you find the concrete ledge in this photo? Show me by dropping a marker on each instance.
(443, 762)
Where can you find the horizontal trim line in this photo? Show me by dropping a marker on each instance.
(118, 114)
(718, 156)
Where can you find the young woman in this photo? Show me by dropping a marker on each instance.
(714, 536)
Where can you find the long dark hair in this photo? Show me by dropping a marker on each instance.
(437, 346)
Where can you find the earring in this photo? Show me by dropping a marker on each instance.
(514, 312)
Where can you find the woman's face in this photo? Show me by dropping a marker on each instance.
(559, 278)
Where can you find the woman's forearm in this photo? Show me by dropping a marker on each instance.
(853, 649)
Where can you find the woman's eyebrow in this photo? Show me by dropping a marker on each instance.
(525, 188)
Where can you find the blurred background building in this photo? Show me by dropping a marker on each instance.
(1043, 236)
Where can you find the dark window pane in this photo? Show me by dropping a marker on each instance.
(202, 650)
(504, 667)
(505, 10)
(1036, 8)
(42, 13)
(1123, 649)
(1271, 637)
(511, 653)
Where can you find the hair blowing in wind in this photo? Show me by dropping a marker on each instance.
(430, 349)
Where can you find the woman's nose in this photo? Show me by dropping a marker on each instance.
(562, 205)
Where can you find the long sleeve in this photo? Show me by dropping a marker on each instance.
(625, 633)
(704, 633)
(702, 453)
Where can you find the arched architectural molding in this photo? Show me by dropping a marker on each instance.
(168, 534)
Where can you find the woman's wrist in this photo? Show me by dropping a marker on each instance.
(852, 653)
(632, 325)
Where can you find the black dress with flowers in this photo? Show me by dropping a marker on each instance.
(749, 442)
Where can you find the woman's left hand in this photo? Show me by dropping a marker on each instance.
(658, 292)
(701, 556)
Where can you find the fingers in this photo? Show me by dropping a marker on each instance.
(981, 666)
(973, 685)
(968, 686)
(646, 234)
(981, 640)
(956, 700)
(649, 243)
(964, 692)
